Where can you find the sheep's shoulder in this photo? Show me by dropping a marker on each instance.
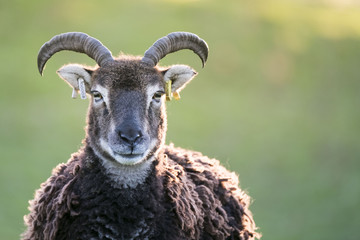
(203, 170)
(224, 203)
(52, 202)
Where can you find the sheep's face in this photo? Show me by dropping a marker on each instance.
(127, 119)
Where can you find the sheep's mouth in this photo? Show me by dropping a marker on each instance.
(129, 155)
(128, 158)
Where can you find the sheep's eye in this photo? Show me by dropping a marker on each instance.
(157, 96)
(97, 96)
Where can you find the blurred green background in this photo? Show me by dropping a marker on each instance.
(278, 101)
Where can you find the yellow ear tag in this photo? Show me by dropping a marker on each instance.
(176, 95)
(168, 90)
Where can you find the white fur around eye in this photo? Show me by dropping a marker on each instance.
(151, 91)
(103, 92)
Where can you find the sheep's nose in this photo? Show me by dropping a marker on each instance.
(130, 136)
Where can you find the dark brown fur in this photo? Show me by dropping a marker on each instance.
(186, 196)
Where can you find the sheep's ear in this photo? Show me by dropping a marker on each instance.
(78, 77)
(179, 75)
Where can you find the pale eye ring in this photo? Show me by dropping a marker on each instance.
(97, 96)
(157, 96)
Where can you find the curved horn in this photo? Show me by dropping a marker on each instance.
(174, 42)
(74, 41)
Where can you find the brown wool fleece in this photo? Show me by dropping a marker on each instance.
(186, 196)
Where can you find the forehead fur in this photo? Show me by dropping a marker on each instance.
(127, 72)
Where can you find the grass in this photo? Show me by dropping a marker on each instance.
(278, 101)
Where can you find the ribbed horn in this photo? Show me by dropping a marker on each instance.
(174, 42)
(74, 41)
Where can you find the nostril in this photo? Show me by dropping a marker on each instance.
(130, 136)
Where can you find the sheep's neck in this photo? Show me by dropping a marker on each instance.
(124, 176)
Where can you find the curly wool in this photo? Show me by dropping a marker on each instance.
(186, 196)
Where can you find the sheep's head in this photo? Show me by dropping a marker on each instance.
(126, 119)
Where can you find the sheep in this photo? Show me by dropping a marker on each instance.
(124, 182)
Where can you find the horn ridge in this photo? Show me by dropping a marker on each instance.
(77, 42)
(174, 42)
